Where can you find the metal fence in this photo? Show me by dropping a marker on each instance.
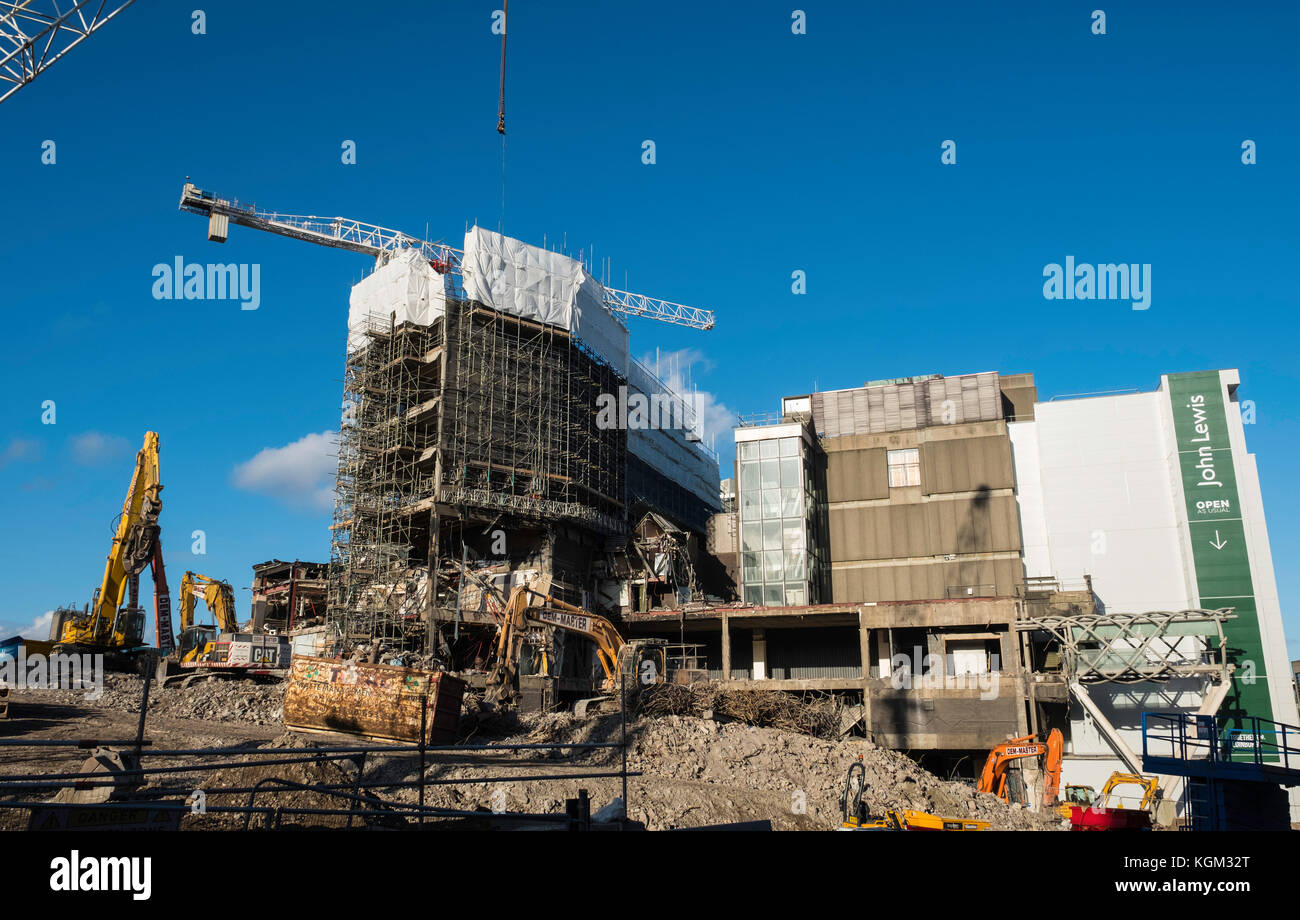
(149, 785)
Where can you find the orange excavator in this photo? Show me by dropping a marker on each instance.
(993, 778)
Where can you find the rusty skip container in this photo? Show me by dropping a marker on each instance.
(376, 701)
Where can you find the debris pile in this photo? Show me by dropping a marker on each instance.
(218, 699)
(816, 716)
(699, 771)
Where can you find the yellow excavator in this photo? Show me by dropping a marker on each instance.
(220, 649)
(108, 626)
(219, 596)
(854, 817)
(635, 664)
(1106, 812)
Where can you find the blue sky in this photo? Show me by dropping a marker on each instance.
(775, 152)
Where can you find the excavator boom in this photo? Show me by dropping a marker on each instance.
(993, 777)
(107, 624)
(528, 608)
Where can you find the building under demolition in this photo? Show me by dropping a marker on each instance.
(473, 455)
(976, 564)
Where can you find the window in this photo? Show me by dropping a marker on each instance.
(904, 467)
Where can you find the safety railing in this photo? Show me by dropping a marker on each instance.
(1190, 737)
(167, 784)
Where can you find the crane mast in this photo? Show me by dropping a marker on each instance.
(380, 242)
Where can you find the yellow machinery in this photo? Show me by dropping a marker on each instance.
(638, 663)
(1105, 812)
(1150, 790)
(1086, 796)
(220, 650)
(854, 815)
(195, 641)
(107, 625)
(1082, 796)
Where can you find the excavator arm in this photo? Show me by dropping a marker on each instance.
(528, 608)
(993, 778)
(135, 545)
(219, 597)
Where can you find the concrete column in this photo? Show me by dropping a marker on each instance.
(934, 646)
(864, 644)
(1013, 646)
(760, 654)
(726, 647)
(864, 649)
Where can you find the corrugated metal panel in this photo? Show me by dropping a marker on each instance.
(861, 413)
(809, 654)
(905, 406)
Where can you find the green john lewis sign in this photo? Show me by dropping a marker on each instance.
(1218, 536)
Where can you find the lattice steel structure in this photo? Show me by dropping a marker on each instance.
(381, 242)
(1131, 647)
(519, 423)
(36, 33)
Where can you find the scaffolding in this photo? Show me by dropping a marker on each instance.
(386, 442)
(520, 422)
(479, 412)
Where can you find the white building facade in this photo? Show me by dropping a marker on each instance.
(1155, 496)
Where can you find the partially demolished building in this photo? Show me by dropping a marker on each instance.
(472, 442)
(978, 564)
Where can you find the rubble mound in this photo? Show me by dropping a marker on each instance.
(696, 772)
(809, 773)
(217, 699)
(818, 716)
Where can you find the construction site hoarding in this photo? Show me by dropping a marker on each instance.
(376, 701)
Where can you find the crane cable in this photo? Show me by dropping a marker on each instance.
(501, 114)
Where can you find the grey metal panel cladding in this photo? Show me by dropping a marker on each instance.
(974, 525)
(902, 406)
(857, 475)
(966, 464)
(809, 654)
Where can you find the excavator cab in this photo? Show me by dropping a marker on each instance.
(643, 662)
(194, 641)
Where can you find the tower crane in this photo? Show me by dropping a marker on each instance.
(381, 243)
(36, 33)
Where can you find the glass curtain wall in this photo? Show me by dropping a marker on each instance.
(780, 552)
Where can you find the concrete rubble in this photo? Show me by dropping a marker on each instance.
(216, 700)
(695, 771)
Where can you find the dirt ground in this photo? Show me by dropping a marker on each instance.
(693, 771)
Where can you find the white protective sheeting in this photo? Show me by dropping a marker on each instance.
(406, 289)
(513, 277)
(672, 447)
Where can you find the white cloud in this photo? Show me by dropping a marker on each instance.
(300, 474)
(94, 448)
(39, 628)
(680, 370)
(19, 450)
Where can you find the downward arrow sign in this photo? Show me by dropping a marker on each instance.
(1218, 542)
